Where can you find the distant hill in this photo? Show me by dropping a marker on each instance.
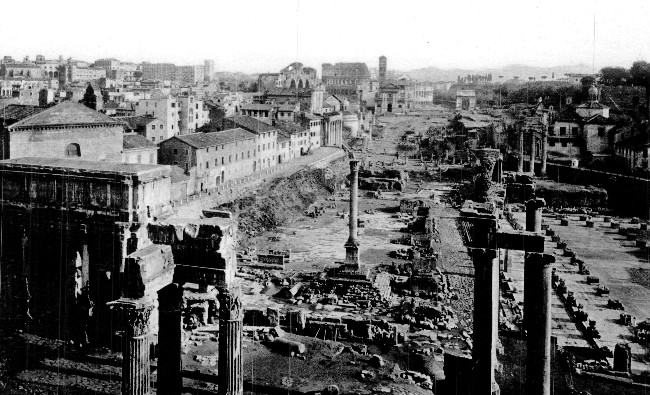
(508, 72)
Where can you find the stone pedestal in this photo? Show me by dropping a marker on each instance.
(486, 314)
(170, 305)
(352, 245)
(537, 322)
(136, 372)
(231, 378)
(534, 215)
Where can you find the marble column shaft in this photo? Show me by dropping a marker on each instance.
(231, 377)
(136, 371)
(170, 367)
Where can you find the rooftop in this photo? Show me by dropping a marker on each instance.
(257, 106)
(211, 139)
(251, 124)
(65, 113)
(133, 122)
(136, 141)
(15, 112)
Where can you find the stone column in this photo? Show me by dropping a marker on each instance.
(352, 245)
(520, 165)
(486, 314)
(544, 153)
(136, 372)
(532, 151)
(170, 306)
(231, 377)
(534, 215)
(537, 322)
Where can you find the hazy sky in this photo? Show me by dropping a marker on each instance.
(264, 36)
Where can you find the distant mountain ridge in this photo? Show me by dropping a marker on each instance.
(508, 72)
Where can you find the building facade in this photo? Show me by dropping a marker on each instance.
(345, 78)
(66, 130)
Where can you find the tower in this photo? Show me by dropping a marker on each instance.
(208, 69)
(382, 70)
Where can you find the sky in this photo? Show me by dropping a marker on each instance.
(264, 36)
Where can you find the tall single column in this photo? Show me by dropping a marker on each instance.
(537, 322)
(544, 152)
(231, 377)
(532, 151)
(352, 245)
(486, 314)
(170, 306)
(534, 215)
(520, 165)
(136, 372)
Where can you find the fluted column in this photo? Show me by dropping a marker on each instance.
(136, 372)
(534, 215)
(352, 245)
(231, 378)
(170, 302)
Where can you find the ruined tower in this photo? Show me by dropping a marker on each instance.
(382, 70)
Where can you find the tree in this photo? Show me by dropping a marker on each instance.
(89, 99)
(587, 81)
(614, 76)
(640, 73)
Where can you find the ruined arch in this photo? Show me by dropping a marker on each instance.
(300, 86)
(307, 84)
(293, 84)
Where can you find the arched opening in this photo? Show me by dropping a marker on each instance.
(280, 159)
(390, 107)
(302, 151)
(254, 166)
(307, 84)
(73, 150)
(300, 84)
(293, 84)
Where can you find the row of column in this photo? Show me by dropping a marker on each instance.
(537, 314)
(533, 139)
(136, 372)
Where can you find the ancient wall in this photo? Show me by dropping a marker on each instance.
(627, 195)
(95, 143)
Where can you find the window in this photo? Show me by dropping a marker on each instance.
(229, 158)
(222, 160)
(153, 139)
(601, 132)
(73, 150)
(236, 157)
(574, 130)
(207, 164)
(175, 151)
(551, 143)
(564, 144)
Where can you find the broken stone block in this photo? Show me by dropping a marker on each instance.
(377, 361)
(148, 270)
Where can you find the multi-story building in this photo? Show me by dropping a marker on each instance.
(72, 73)
(148, 126)
(138, 150)
(193, 115)
(208, 66)
(345, 78)
(158, 71)
(165, 108)
(313, 124)
(586, 129)
(261, 112)
(189, 75)
(267, 136)
(217, 157)
(21, 70)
